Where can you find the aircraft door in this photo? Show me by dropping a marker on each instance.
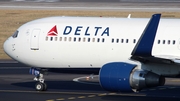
(34, 43)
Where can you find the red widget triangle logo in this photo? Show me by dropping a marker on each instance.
(53, 31)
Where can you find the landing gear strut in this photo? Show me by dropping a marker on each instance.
(40, 85)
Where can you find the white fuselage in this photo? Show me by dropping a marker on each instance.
(88, 41)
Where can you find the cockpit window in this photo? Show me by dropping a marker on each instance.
(15, 34)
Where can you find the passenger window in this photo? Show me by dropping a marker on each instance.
(103, 40)
(51, 38)
(98, 40)
(164, 41)
(60, 39)
(127, 40)
(112, 40)
(93, 40)
(117, 40)
(46, 38)
(122, 40)
(65, 38)
(15, 34)
(84, 39)
(134, 41)
(74, 39)
(79, 39)
(169, 42)
(55, 38)
(159, 41)
(174, 42)
(69, 38)
(89, 39)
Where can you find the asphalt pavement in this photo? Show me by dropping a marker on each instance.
(16, 84)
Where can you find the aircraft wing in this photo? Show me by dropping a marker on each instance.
(154, 59)
(173, 59)
(143, 50)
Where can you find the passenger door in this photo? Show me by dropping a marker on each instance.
(34, 43)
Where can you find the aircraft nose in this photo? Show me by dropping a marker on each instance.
(7, 46)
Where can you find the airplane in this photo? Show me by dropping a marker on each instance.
(129, 54)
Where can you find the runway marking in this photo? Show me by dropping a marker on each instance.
(97, 95)
(112, 93)
(81, 97)
(60, 99)
(71, 98)
(91, 95)
(49, 100)
(102, 94)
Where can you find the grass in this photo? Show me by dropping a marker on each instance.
(10, 20)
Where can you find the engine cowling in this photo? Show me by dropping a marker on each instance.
(124, 77)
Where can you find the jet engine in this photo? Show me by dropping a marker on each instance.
(125, 77)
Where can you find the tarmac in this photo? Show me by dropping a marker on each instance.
(16, 84)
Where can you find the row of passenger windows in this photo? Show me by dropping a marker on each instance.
(166, 42)
(79, 39)
(75, 39)
(122, 40)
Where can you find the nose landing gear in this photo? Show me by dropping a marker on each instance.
(40, 85)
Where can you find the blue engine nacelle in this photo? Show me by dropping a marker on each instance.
(124, 77)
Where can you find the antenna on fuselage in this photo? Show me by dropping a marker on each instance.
(129, 16)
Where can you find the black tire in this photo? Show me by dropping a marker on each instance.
(39, 86)
(45, 86)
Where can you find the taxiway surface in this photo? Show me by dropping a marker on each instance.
(17, 85)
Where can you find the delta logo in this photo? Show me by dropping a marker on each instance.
(53, 31)
(80, 30)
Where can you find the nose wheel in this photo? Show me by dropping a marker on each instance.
(40, 85)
